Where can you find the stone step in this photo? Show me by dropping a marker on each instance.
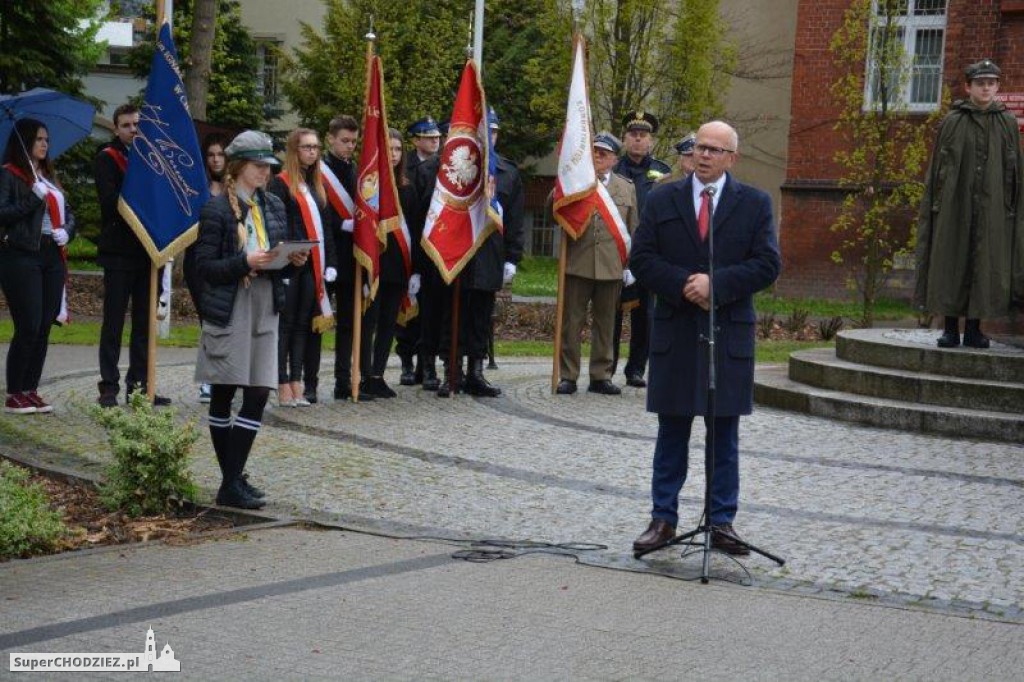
(915, 350)
(822, 369)
(774, 388)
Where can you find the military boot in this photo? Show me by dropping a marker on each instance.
(477, 384)
(950, 333)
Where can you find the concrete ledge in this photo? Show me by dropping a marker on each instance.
(774, 388)
(821, 368)
(914, 350)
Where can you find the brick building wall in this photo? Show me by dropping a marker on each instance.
(810, 194)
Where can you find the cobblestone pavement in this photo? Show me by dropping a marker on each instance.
(858, 513)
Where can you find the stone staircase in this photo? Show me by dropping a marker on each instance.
(899, 378)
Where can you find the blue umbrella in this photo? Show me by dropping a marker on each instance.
(67, 119)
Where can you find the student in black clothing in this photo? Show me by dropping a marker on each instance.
(35, 224)
(126, 268)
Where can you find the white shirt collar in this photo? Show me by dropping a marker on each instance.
(698, 188)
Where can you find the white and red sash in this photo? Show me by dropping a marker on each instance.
(57, 210)
(337, 194)
(609, 212)
(310, 212)
(118, 156)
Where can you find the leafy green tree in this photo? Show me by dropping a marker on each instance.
(670, 58)
(42, 44)
(885, 149)
(423, 46)
(232, 97)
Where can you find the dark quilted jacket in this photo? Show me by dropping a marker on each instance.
(219, 262)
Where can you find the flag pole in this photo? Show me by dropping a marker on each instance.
(556, 365)
(164, 10)
(357, 294)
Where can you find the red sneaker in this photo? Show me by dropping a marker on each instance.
(18, 403)
(42, 406)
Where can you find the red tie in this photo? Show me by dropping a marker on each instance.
(704, 217)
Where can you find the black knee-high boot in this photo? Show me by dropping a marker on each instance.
(950, 333)
(972, 334)
(235, 492)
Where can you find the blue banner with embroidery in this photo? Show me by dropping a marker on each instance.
(165, 184)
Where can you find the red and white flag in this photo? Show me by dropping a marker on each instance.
(578, 194)
(461, 217)
(377, 210)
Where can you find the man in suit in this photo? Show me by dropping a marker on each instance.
(594, 274)
(670, 258)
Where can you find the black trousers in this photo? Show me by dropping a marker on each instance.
(120, 287)
(639, 330)
(32, 283)
(343, 342)
(295, 325)
(407, 336)
(433, 297)
(385, 308)
(476, 307)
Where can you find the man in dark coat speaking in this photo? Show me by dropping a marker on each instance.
(670, 258)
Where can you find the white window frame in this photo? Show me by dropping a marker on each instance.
(910, 24)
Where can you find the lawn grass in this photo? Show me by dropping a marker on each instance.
(187, 336)
(538, 276)
(82, 255)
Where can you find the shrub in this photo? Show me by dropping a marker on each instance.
(796, 321)
(827, 329)
(150, 471)
(27, 523)
(765, 326)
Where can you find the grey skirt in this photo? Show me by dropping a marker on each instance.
(244, 353)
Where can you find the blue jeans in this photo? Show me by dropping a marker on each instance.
(671, 458)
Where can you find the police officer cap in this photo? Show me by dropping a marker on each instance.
(685, 146)
(986, 68)
(252, 145)
(640, 120)
(492, 119)
(425, 127)
(605, 140)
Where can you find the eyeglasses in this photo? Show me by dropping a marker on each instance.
(309, 147)
(713, 151)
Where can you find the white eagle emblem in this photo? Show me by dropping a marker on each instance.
(461, 169)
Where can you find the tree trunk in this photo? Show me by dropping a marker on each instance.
(197, 75)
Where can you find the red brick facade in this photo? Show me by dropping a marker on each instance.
(810, 195)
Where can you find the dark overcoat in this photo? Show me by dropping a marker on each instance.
(970, 240)
(666, 251)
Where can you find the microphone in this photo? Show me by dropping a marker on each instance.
(710, 190)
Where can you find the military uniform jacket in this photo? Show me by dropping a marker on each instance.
(595, 254)
(666, 251)
(970, 243)
(643, 174)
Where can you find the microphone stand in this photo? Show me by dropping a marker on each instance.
(704, 526)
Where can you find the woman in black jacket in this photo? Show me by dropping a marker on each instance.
(307, 311)
(239, 302)
(35, 226)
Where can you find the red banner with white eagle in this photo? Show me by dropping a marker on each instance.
(461, 215)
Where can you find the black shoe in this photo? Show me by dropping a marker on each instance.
(430, 380)
(408, 375)
(949, 340)
(310, 397)
(976, 341)
(158, 400)
(635, 380)
(724, 538)
(566, 387)
(345, 393)
(973, 336)
(234, 495)
(252, 490)
(377, 387)
(604, 387)
(477, 384)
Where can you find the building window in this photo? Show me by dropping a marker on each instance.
(914, 83)
(542, 235)
(267, 57)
